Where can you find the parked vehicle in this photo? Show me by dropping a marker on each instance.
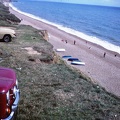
(6, 34)
(9, 94)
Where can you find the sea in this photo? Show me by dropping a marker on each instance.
(97, 24)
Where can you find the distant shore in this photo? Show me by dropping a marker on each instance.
(101, 65)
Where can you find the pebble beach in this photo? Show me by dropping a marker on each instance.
(101, 65)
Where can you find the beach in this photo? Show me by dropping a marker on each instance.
(101, 65)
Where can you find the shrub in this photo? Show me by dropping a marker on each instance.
(6, 16)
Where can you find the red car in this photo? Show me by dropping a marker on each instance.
(9, 94)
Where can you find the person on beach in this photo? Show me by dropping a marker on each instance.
(74, 42)
(66, 41)
(104, 54)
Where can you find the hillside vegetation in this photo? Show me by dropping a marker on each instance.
(50, 89)
(6, 18)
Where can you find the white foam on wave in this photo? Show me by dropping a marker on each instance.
(105, 44)
(92, 39)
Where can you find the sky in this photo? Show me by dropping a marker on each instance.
(91, 2)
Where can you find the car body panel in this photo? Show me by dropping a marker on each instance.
(7, 31)
(5, 84)
(8, 84)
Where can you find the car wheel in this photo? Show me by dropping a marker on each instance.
(7, 38)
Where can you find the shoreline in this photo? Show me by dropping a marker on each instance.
(106, 45)
(103, 70)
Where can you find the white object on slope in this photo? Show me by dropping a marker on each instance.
(60, 50)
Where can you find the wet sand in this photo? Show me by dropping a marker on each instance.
(104, 69)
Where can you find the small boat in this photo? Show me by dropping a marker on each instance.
(60, 50)
(73, 59)
(77, 63)
(66, 56)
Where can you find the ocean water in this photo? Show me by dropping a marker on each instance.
(97, 24)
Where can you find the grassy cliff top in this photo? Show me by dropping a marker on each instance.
(50, 89)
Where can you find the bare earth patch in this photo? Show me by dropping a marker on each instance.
(31, 51)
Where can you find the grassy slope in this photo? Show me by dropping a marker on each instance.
(52, 90)
(6, 18)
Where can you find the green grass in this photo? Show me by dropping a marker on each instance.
(53, 90)
(50, 89)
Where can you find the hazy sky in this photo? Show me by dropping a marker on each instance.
(93, 2)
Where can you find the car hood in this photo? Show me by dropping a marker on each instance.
(5, 84)
(7, 79)
(7, 30)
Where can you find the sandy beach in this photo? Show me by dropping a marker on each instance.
(104, 70)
